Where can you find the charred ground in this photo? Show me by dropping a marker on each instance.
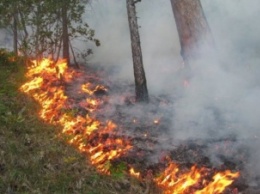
(148, 128)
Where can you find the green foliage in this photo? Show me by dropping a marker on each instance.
(118, 170)
(40, 24)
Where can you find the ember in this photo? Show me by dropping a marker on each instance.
(134, 173)
(99, 139)
(156, 121)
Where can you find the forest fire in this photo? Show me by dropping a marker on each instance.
(96, 138)
(194, 181)
(46, 87)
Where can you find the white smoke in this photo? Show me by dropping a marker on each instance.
(224, 93)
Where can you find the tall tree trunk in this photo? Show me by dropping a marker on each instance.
(26, 34)
(37, 42)
(15, 29)
(139, 74)
(193, 29)
(65, 34)
(74, 56)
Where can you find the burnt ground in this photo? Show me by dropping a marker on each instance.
(148, 127)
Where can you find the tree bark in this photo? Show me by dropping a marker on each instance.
(37, 42)
(15, 29)
(65, 34)
(26, 34)
(193, 29)
(141, 91)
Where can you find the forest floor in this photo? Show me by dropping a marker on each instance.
(33, 159)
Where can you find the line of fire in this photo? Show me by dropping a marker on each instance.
(107, 142)
(119, 125)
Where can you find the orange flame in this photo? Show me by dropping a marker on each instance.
(87, 88)
(46, 87)
(134, 173)
(194, 181)
(33, 84)
(220, 181)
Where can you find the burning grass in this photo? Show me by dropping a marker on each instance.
(33, 159)
(102, 140)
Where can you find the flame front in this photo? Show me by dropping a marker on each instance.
(195, 180)
(46, 86)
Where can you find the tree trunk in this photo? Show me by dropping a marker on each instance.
(26, 34)
(37, 42)
(193, 29)
(15, 29)
(65, 34)
(141, 91)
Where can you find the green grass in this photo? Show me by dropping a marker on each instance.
(33, 159)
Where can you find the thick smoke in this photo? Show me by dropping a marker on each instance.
(223, 94)
(223, 90)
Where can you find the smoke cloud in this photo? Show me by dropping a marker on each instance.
(223, 95)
